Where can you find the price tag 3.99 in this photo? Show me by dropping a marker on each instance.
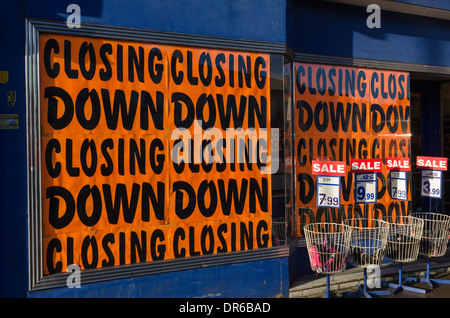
(328, 191)
(431, 182)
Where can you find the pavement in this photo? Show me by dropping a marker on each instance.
(313, 286)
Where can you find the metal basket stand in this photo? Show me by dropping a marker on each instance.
(433, 242)
(367, 245)
(328, 246)
(403, 246)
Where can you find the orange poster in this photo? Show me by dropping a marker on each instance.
(137, 160)
(345, 113)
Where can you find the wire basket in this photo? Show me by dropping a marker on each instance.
(433, 242)
(368, 241)
(404, 237)
(328, 246)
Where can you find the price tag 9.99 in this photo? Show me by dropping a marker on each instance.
(366, 188)
(328, 191)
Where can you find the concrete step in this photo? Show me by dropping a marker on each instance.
(313, 286)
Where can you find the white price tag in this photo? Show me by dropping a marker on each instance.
(366, 188)
(328, 191)
(431, 182)
(399, 188)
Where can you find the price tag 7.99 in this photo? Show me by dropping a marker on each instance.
(399, 187)
(328, 191)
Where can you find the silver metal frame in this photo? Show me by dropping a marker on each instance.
(419, 71)
(37, 280)
(34, 146)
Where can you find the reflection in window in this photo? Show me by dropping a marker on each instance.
(277, 115)
(415, 150)
(445, 105)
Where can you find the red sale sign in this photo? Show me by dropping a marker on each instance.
(399, 164)
(365, 165)
(432, 163)
(328, 168)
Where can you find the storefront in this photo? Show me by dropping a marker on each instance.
(164, 149)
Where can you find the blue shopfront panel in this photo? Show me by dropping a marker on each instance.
(267, 279)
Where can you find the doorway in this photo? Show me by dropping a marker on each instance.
(430, 136)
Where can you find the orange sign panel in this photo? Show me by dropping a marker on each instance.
(136, 164)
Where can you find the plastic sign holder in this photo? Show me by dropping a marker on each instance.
(399, 167)
(328, 189)
(431, 175)
(365, 171)
(435, 223)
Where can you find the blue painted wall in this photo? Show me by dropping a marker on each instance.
(341, 30)
(260, 20)
(13, 155)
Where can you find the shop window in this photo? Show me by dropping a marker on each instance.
(430, 128)
(345, 113)
(109, 191)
